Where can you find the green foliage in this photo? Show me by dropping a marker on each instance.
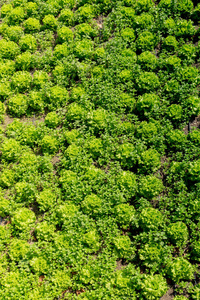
(21, 81)
(195, 292)
(2, 110)
(75, 112)
(91, 204)
(128, 182)
(125, 214)
(25, 192)
(16, 16)
(18, 249)
(44, 231)
(149, 161)
(23, 219)
(147, 60)
(71, 136)
(194, 170)
(147, 81)
(146, 41)
(17, 105)
(83, 49)
(84, 13)
(175, 112)
(57, 96)
(126, 154)
(6, 9)
(176, 139)
(46, 199)
(7, 178)
(36, 101)
(52, 120)
(194, 104)
(178, 233)
(189, 74)
(13, 33)
(10, 150)
(91, 240)
(180, 269)
(184, 28)
(4, 207)
(85, 30)
(65, 34)
(144, 5)
(151, 219)
(31, 25)
(61, 51)
(66, 211)
(154, 256)
(49, 22)
(8, 49)
(147, 103)
(123, 247)
(38, 265)
(28, 43)
(95, 147)
(66, 17)
(187, 53)
(185, 7)
(180, 298)
(150, 186)
(154, 287)
(170, 43)
(24, 61)
(49, 144)
(31, 8)
(98, 166)
(40, 78)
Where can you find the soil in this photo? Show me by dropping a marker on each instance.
(119, 265)
(7, 120)
(99, 21)
(55, 160)
(195, 123)
(169, 295)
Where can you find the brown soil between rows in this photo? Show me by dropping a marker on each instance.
(169, 295)
(194, 123)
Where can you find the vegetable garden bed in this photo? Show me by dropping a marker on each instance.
(99, 170)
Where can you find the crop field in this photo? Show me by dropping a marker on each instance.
(99, 150)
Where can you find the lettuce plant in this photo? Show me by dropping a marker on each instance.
(178, 233)
(10, 149)
(153, 287)
(123, 247)
(24, 61)
(65, 34)
(23, 219)
(125, 214)
(16, 16)
(17, 105)
(46, 199)
(8, 49)
(52, 120)
(31, 25)
(66, 16)
(151, 219)
(28, 43)
(180, 269)
(49, 144)
(150, 186)
(18, 249)
(91, 204)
